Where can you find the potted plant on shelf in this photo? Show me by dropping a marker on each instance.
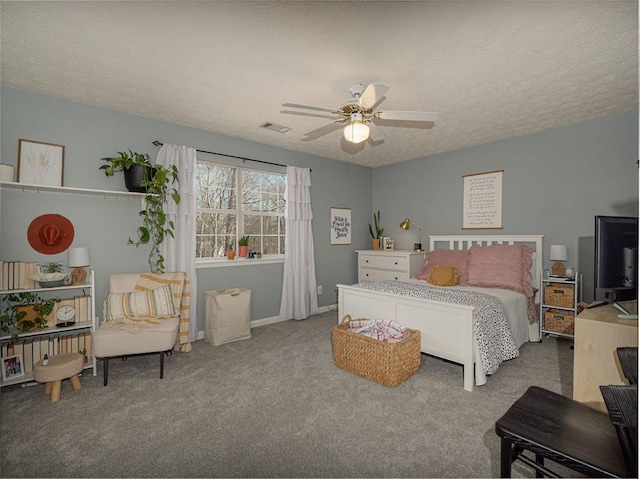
(23, 312)
(50, 275)
(230, 253)
(377, 234)
(136, 167)
(159, 190)
(243, 246)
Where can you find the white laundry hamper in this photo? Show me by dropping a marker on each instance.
(227, 315)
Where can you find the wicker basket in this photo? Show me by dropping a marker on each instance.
(559, 295)
(388, 364)
(559, 321)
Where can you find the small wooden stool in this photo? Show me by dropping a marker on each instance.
(61, 366)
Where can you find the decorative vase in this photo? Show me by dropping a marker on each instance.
(375, 244)
(243, 251)
(133, 177)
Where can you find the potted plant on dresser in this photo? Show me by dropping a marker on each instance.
(159, 189)
(376, 232)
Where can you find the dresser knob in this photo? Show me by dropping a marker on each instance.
(396, 263)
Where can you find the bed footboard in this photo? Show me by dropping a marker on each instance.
(446, 329)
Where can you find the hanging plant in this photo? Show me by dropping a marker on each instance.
(155, 224)
(158, 189)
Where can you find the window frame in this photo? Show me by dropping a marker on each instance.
(207, 262)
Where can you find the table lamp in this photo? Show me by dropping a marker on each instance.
(558, 253)
(78, 259)
(405, 225)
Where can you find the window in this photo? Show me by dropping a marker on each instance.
(233, 202)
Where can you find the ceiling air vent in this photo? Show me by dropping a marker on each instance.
(274, 127)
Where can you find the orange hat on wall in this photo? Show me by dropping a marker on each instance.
(50, 234)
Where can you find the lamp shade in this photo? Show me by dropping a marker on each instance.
(78, 257)
(558, 252)
(406, 224)
(356, 132)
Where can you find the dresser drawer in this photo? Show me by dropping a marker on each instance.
(398, 263)
(367, 274)
(383, 265)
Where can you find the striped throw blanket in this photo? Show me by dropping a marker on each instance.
(179, 283)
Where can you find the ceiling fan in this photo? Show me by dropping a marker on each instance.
(359, 115)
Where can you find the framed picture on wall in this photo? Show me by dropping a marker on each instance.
(12, 367)
(482, 202)
(40, 163)
(340, 225)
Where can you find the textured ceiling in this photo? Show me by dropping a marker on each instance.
(492, 70)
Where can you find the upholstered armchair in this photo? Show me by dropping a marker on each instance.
(143, 314)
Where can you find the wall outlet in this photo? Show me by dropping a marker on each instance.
(319, 289)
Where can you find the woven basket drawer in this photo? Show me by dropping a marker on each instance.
(559, 321)
(559, 295)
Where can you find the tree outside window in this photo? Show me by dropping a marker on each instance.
(233, 202)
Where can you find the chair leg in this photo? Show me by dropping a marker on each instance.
(105, 370)
(161, 364)
(539, 460)
(505, 458)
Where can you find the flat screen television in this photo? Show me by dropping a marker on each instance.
(616, 259)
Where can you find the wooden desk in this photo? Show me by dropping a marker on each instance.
(598, 332)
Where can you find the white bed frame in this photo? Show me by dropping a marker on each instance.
(446, 329)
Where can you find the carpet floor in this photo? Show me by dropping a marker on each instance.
(274, 405)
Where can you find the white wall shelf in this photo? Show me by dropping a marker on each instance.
(69, 189)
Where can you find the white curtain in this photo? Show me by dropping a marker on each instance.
(180, 252)
(299, 290)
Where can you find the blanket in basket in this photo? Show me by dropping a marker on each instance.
(490, 325)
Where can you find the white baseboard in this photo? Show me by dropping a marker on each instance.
(256, 323)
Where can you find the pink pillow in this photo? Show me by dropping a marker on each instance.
(500, 266)
(443, 257)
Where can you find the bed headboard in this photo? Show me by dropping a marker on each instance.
(467, 241)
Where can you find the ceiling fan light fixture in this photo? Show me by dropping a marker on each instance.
(356, 132)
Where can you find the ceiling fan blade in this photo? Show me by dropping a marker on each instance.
(307, 107)
(303, 113)
(407, 115)
(372, 94)
(375, 133)
(323, 130)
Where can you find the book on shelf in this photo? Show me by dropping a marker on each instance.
(28, 355)
(10, 276)
(75, 343)
(18, 274)
(35, 345)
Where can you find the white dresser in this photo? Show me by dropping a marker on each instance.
(382, 265)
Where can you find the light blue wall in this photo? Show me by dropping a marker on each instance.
(554, 183)
(105, 224)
